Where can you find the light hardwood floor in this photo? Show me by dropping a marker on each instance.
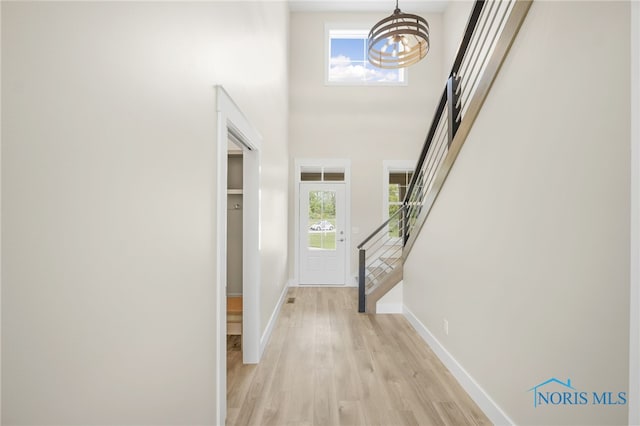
(328, 365)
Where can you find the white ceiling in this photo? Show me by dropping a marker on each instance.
(388, 6)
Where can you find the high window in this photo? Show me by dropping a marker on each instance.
(347, 63)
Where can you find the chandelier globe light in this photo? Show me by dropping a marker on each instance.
(398, 41)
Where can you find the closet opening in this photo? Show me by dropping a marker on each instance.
(235, 203)
(236, 139)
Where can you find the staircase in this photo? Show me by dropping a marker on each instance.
(490, 31)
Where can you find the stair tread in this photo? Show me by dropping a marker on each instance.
(234, 305)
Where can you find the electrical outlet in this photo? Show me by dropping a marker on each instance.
(445, 326)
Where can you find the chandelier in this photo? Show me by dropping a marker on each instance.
(398, 41)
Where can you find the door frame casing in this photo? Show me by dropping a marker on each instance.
(345, 164)
(229, 118)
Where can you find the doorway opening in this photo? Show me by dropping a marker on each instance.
(233, 126)
(235, 202)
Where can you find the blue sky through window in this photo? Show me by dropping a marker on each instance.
(348, 61)
(352, 48)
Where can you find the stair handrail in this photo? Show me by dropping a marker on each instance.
(497, 23)
(471, 25)
(381, 227)
(462, 50)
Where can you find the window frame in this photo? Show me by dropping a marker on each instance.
(388, 167)
(354, 30)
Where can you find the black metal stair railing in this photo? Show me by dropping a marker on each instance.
(382, 254)
(491, 29)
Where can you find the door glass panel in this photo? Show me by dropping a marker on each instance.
(322, 220)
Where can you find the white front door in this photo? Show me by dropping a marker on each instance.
(322, 233)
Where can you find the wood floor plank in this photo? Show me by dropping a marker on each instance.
(350, 413)
(327, 365)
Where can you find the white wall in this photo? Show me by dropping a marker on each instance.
(0, 214)
(454, 19)
(526, 252)
(108, 194)
(634, 317)
(364, 124)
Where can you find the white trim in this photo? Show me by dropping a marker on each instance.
(221, 273)
(479, 396)
(389, 166)
(266, 336)
(345, 164)
(634, 308)
(1, 216)
(230, 118)
(251, 235)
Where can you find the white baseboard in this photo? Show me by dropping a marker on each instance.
(389, 308)
(484, 401)
(293, 283)
(272, 320)
(234, 294)
(354, 280)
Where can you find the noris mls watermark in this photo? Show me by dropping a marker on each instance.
(556, 392)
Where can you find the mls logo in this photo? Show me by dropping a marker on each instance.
(556, 392)
(562, 394)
